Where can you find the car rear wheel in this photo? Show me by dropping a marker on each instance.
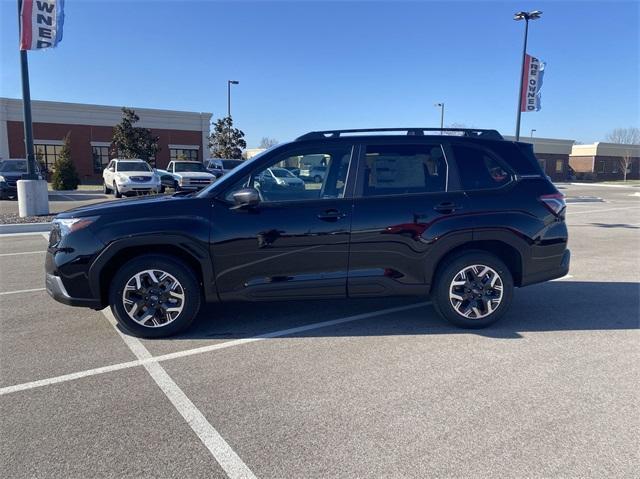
(155, 296)
(473, 290)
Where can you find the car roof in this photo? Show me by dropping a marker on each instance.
(129, 159)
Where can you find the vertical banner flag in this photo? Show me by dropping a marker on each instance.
(41, 24)
(533, 74)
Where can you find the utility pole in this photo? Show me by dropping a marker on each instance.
(26, 108)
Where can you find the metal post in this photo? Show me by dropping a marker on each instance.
(524, 54)
(441, 116)
(26, 105)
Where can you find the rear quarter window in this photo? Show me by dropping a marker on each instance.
(479, 169)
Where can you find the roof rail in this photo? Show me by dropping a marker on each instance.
(468, 132)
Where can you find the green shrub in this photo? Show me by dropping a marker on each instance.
(65, 177)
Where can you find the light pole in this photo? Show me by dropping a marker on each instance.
(229, 83)
(441, 106)
(532, 131)
(526, 16)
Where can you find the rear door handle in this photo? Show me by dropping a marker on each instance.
(447, 207)
(331, 215)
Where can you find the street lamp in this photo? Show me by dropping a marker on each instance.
(532, 131)
(441, 106)
(229, 83)
(526, 16)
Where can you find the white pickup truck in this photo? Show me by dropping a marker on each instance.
(186, 175)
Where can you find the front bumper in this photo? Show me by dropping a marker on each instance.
(128, 188)
(57, 291)
(7, 190)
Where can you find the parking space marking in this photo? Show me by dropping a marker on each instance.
(605, 210)
(15, 235)
(203, 349)
(22, 291)
(46, 236)
(212, 440)
(566, 276)
(22, 252)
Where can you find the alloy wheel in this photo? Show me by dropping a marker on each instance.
(476, 291)
(153, 298)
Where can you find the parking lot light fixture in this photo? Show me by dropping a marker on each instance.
(229, 83)
(526, 16)
(441, 106)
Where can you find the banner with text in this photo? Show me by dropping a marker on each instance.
(41, 23)
(533, 74)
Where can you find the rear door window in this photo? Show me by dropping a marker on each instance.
(404, 169)
(479, 169)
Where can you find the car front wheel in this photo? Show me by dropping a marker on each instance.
(116, 193)
(473, 290)
(155, 296)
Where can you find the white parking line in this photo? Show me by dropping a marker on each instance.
(28, 233)
(566, 276)
(46, 236)
(604, 210)
(200, 350)
(22, 291)
(22, 252)
(213, 441)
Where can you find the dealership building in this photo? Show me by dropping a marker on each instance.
(181, 134)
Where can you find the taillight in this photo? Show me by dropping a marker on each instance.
(554, 203)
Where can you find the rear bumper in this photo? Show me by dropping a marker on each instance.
(559, 268)
(57, 291)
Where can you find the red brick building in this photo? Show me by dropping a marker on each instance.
(91, 126)
(603, 161)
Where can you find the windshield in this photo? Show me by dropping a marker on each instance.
(189, 166)
(282, 173)
(133, 166)
(14, 165)
(230, 164)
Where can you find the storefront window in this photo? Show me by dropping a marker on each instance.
(47, 155)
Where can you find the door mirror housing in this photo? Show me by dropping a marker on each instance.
(112, 169)
(246, 198)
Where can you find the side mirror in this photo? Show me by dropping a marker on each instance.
(112, 169)
(246, 198)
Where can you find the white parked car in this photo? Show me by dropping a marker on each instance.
(129, 177)
(188, 175)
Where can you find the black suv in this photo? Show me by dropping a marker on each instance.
(464, 217)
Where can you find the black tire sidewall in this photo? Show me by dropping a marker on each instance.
(116, 193)
(175, 267)
(440, 295)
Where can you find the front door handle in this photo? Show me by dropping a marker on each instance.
(447, 207)
(331, 215)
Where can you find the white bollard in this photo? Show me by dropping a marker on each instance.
(33, 198)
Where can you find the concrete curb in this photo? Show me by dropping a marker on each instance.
(25, 228)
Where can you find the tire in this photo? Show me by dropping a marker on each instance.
(483, 294)
(116, 193)
(162, 189)
(105, 188)
(186, 296)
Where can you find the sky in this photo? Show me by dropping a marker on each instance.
(305, 65)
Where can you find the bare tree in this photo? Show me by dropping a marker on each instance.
(267, 142)
(625, 136)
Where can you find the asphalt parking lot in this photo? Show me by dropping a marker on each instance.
(354, 388)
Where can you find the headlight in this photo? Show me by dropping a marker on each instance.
(69, 225)
(182, 181)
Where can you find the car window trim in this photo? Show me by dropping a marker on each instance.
(359, 190)
(283, 154)
(495, 156)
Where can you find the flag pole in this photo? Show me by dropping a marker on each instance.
(524, 55)
(26, 106)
